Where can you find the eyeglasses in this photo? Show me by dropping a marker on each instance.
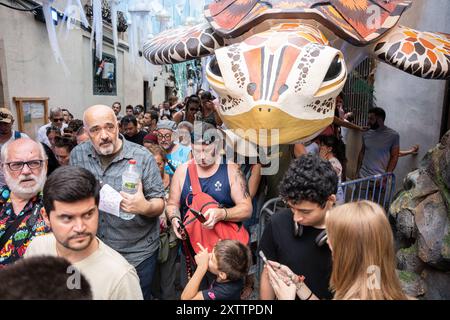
(57, 119)
(18, 166)
(166, 136)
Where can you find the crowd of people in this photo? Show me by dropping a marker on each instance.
(54, 212)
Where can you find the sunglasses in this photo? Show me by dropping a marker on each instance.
(5, 115)
(57, 119)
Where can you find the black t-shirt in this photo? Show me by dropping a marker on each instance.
(224, 290)
(137, 138)
(300, 254)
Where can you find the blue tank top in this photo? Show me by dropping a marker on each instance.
(217, 186)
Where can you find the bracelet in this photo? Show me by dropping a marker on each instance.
(226, 214)
(299, 283)
(299, 287)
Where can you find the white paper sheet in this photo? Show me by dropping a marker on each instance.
(110, 200)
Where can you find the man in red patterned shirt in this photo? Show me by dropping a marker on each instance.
(24, 164)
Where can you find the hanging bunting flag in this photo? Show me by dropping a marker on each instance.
(97, 28)
(47, 10)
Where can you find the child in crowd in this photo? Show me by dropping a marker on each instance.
(230, 261)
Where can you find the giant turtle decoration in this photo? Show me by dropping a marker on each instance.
(280, 64)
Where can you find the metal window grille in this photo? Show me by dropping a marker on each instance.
(101, 86)
(358, 91)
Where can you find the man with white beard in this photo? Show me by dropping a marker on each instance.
(24, 164)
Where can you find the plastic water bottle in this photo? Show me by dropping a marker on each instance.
(130, 181)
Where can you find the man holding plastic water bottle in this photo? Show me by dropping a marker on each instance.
(131, 170)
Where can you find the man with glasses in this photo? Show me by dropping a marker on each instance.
(7, 133)
(24, 164)
(56, 120)
(177, 154)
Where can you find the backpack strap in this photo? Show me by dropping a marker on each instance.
(17, 135)
(193, 175)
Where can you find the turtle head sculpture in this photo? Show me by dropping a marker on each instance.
(279, 65)
(281, 79)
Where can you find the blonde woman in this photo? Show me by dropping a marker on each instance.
(362, 245)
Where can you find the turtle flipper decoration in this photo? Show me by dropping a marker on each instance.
(423, 54)
(182, 44)
(280, 64)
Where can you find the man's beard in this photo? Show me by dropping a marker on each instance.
(167, 146)
(374, 126)
(26, 192)
(106, 149)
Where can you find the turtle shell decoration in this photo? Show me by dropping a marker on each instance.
(279, 65)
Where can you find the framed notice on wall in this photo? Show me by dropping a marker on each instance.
(31, 114)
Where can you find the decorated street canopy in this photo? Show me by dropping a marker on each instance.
(143, 18)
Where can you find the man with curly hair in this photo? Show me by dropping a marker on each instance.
(292, 235)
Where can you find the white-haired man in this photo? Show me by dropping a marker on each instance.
(24, 164)
(7, 133)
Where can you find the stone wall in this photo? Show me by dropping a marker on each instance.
(421, 216)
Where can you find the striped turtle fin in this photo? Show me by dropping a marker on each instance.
(423, 54)
(182, 44)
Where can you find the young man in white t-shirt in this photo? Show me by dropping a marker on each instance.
(71, 199)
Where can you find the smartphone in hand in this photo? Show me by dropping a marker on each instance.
(263, 257)
(198, 215)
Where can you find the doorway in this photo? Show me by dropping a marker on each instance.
(147, 96)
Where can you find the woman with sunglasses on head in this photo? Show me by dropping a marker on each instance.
(191, 111)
